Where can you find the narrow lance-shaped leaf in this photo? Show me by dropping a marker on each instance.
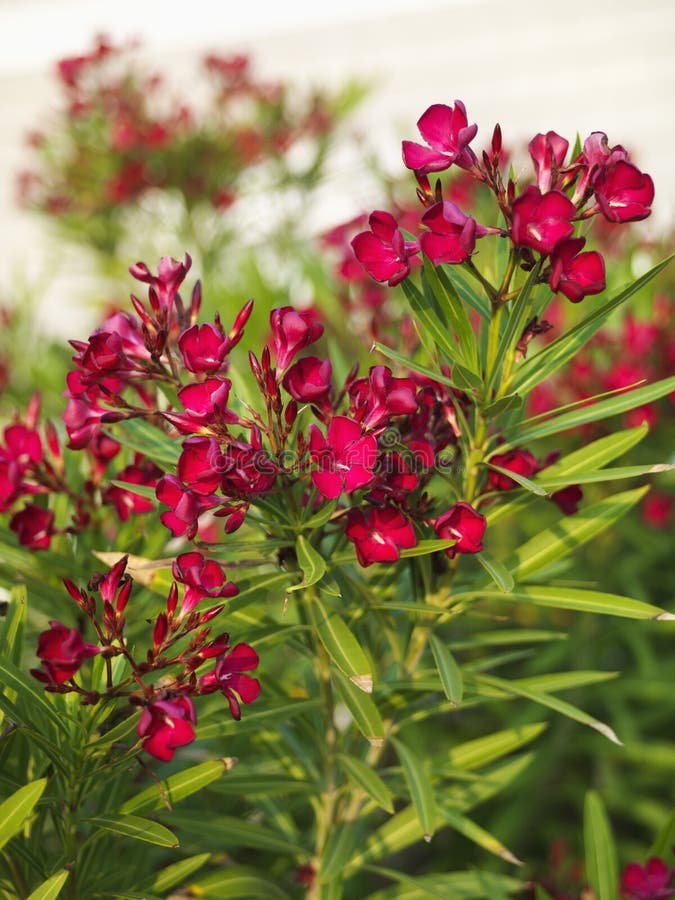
(137, 828)
(176, 787)
(51, 888)
(478, 835)
(17, 808)
(342, 647)
(544, 699)
(419, 785)
(497, 571)
(368, 780)
(312, 564)
(362, 709)
(551, 358)
(448, 671)
(602, 869)
(176, 873)
(593, 412)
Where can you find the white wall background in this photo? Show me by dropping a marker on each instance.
(604, 65)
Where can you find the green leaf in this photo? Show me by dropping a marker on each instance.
(176, 873)
(448, 299)
(524, 482)
(51, 888)
(254, 720)
(141, 436)
(580, 600)
(569, 533)
(137, 828)
(419, 786)
(413, 366)
(17, 808)
(11, 634)
(424, 548)
(481, 751)
(339, 847)
(593, 412)
(142, 490)
(342, 647)
(235, 831)
(238, 883)
(176, 787)
(362, 709)
(448, 670)
(544, 699)
(32, 707)
(551, 358)
(468, 794)
(368, 780)
(256, 784)
(665, 839)
(602, 869)
(426, 309)
(322, 516)
(478, 835)
(501, 407)
(497, 571)
(463, 885)
(615, 473)
(399, 831)
(311, 562)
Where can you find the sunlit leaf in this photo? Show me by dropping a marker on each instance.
(16, 809)
(362, 709)
(602, 868)
(51, 888)
(176, 787)
(137, 828)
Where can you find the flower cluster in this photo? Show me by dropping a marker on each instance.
(539, 219)
(123, 132)
(181, 645)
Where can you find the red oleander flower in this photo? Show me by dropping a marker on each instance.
(624, 193)
(126, 502)
(165, 284)
(383, 251)
(518, 460)
(345, 459)
(653, 881)
(246, 468)
(452, 234)
(309, 381)
(202, 578)
(62, 651)
(292, 331)
(33, 526)
(380, 534)
(541, 221)
(448, 134)
(165, 725)
(463, 524)
(576, 274)
(375, 398)
(568, 499)
(658, 509)
(204, 403)
(230, 678)
(186, 506)
(204, 348)
(199, 465)
(548, 153)
(23, 446)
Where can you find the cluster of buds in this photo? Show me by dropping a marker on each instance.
(539, 219)
(122, 134)
(181, 645)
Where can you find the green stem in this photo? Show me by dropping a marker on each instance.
(327, 804)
